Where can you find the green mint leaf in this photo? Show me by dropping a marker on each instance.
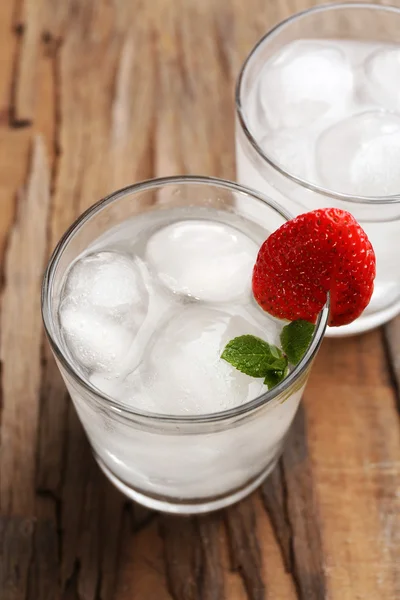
(295, 339)
(279, 364)
(252, 356)
(272, 378)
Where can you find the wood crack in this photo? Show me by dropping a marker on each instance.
(244, 548)
(56, 45)
(210, 583)
(43, 580)
(12, 111)
(274, 496)
(288, 499)
(182, 557)
(16, 550)
(25, 80)
(306, 551)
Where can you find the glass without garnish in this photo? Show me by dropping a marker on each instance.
(139, 299)
(318, 107)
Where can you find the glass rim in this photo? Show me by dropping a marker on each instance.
(131, 412)
(391, 199)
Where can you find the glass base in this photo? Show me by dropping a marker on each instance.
(183, 506)
(366, 322)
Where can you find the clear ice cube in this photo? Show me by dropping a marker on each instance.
(194, 257)
(107, 383)
(382, 77)
(183, 372)
(96, 341)
(361, 155)
(290, 150)
(111, 282)
(305, 81)
(104, 304)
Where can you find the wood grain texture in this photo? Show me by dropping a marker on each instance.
(20, 324)
(110, 92)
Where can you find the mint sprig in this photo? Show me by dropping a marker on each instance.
(255, 357)
(295, 339)
(272, 378)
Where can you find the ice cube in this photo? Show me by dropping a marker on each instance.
(290, 150)
(111, 282)
(107, 383)
(130, 389)
(305, 81)
(94, 339)
(361, 155)
(184, 373)
(207, 260)
(382, 77)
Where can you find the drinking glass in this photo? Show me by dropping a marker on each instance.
(178, 464)
(378, 215)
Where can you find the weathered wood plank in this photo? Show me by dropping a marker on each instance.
(25, 88)
(8, 48)
(98, 128)
(279, 581)
(183, 557)
(245, 550)
(354, 443)
(289, 498)
(233, 582)
(209, 531)
(168, 155)
(78, 462)
(16, 541)
(44, 567)
(302, 511)
(192, 557)
(391, 336)
(133, 105)
(207, 94)
(142, 566)
(21, 332)
(274, 495)
(111, 530)
(14, 144)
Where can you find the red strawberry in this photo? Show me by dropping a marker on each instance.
(321, 251)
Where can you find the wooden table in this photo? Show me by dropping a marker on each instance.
(96, 94)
